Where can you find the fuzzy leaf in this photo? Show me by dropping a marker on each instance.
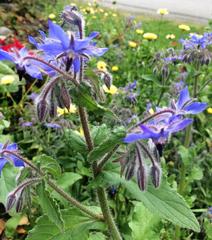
(48, 165)
(106, 146)
(77, 227)
(50, 207)
(5, 69)
(163, 201)
(7, 181)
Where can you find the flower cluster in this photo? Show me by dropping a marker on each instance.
(166, 121)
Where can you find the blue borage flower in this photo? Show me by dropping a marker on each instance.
(31, 67)
(171, 120)
(7, 156)
(60, 44)
(186, 105)
(197, 41)
(158, 131)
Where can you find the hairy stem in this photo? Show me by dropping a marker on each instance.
(59, 190)
(100, 191)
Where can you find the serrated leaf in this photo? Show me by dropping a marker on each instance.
(50, 207)
(48, 165)
(7, 181)
(77, 227)
(5, 69)
(164, 201)
(106, 146)
(67, 179)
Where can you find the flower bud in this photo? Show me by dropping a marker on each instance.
(142, 177)
(65, 96)
(156, 175)
(11, 199)
(107, 78)
(42, 108)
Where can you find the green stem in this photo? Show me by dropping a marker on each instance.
(59, 190)
(100, 191)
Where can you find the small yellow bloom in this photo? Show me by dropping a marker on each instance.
(184, 27)
(102, 66)
(52, 16)
(209, 110)
(162, 11)
(115, 68)
(139, 31)
(7, 79)
(80, 132)
(151, 111)
(94, 17)
(101, 10)
(113, 89)
(73, 4)
(132, 44)
(170, 36)
(114, 15)
(106, 14)
(150, 36)
(62, 111)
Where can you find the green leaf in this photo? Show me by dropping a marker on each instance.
(77, 227)
(97, 236)
(50, 207)
(99, 133)
(107, 145)
(7, 181)
(67, 179)
(48, 165)
(164, 201)
(77, 141)
(196, 173)
(143, 229)
(5, 69)
(12, 224)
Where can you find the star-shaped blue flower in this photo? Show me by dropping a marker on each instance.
(8, 156)
(60, 44)
(186, 105)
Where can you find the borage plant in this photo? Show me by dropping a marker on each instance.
(63, 56)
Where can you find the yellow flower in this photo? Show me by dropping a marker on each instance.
(150, 36)
(184, 27)
(209, 110)
(94, 17)
(106, 14)
(132, 44)
(62, 111)
(162, 11)
(170, 36)
(114, 15)
(113, 89)
(102, 66)
(115, 68)
(80, 132)
(139, 31)
(151, 111)
(7, 79)
(52, 16)
(101, 10)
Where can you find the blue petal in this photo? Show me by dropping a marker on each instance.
(52, 49)
(94, 51)
(33, 71)
(3, 161)
(12, 147)
(149, 133)
(56, 32)
(195, 108)
(33, 41)
(17, 161)
(183, 98)
(76, 64)
(179, 125)
(93, 35)
(6, 56)
(132, 137)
